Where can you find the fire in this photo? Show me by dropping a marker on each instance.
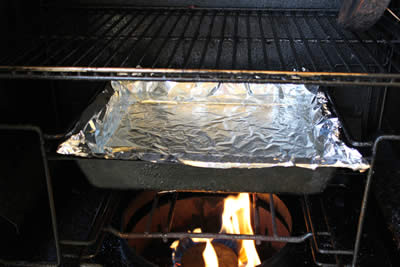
(236, 219)
(210, 256)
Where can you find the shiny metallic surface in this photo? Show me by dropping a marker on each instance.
(289, 239)
(216, 125)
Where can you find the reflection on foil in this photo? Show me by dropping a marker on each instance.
(216, 125)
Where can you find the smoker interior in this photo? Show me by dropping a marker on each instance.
(56, 56)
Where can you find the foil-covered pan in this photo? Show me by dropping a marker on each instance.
(214, 125)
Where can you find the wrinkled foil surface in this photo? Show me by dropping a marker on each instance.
(215, 125)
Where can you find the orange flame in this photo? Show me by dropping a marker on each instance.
(209, 255)
(236, 220)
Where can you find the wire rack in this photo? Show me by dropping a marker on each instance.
(322, 240)
(296, 46)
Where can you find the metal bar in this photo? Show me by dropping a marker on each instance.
(393, 14)
(366, 192)
(97, 235)
(385, 91)
(263, 40)
(66, 44)
(219, 51)
(169, 62)
(338, 52)
(308, 228)
(292, 239)
(100, 214)
(325, 54)
(297, 74)
(87, 52)
(150, 220)
(115, 35)
(385, 29)
(277, 44)
(160, 50)
(273, 216)
(256, 216)
(327, 11)
(316, 234)
(178, 76)
(49, 186)
(250, 63)
(291, 43)
(208, 39)
(310, 222)
(171, 212)
(26, 263)
(193, 41)
(50, 195)
(133, 46)
(122, 41)
(306, 214)
(99, 26)
(62, 48)
(365, 115)
(380, 66)
(357, 56)
(43, 51)
(382, 109)
(150, 43)
(334, 251)
(308, 50)
(394, 48)
(27, 52)
(39, 49)
(78, 243)
(390, 23)
(217, 37)
(344, 128)
(322, 78)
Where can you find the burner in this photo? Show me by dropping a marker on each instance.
(192, 212)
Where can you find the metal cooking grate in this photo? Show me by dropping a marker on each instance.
(319, 227)
(179, 39)
(319, 234)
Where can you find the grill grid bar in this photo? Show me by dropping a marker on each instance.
(122, 41)
(172, 198)
(151, 41)
(308, 50)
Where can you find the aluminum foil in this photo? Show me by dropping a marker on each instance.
(215, 125)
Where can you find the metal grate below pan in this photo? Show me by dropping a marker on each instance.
(316, 222)
(204, 45)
